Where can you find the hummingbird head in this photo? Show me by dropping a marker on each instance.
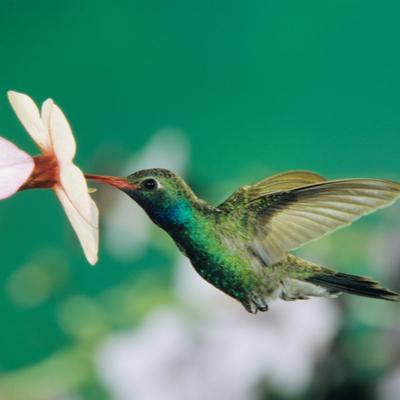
(165, 196)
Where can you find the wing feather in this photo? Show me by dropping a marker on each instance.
(283, 181)
(273, 184)
(285, 221)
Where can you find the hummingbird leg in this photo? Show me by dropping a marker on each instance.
(256, 303)
(250, 307)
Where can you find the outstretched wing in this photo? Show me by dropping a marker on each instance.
(284, 220)
(282, 182)
(287, 210)
(276, 183)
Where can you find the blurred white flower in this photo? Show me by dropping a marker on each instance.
(224, 354)
(55, 169)
(388, 388)
(152, 362)
(127, 228)
(385, 241)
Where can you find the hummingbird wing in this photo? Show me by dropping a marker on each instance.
(283, 221)
(282, 182)
(288, 210)
(276, 183)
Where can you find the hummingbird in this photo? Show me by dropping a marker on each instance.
(243, 245)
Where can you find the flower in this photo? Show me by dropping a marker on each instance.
(54, 168)
(16, 166)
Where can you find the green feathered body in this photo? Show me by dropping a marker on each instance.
(219, 250)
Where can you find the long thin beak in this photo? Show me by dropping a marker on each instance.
(116, 181)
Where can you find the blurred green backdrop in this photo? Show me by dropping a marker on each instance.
(256, 88)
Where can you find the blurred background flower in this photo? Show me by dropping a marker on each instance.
(207, 347)
(224, 94)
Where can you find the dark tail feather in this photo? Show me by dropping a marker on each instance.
(353, 284)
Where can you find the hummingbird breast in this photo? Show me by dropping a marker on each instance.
(219, 253)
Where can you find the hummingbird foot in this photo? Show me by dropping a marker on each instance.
(256, 303)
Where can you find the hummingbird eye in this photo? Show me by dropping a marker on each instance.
(150, 184)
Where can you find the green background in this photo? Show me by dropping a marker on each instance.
(258, 87)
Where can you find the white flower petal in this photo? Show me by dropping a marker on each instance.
(74, 184)
(15, 168)
(81, 210)
(62, 139)
(45, 114)
(29, 116)
(88, 235)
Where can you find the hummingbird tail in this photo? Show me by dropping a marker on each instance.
(338, 282)
(313, 280)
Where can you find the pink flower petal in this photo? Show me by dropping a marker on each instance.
(63, 140)
(29, 117)
(15, 168)
(81, 210)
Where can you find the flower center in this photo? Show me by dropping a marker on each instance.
(45, 174)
